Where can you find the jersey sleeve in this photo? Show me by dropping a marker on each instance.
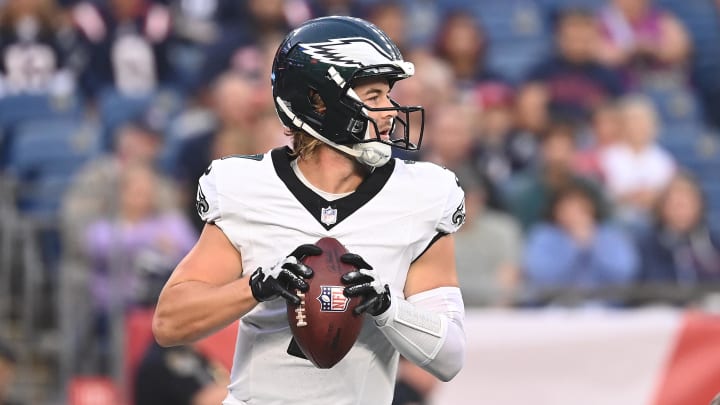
(453, 214)
(207, 202)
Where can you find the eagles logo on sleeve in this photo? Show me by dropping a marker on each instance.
(201, 204)
(458, 217)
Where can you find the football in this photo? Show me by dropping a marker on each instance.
(323, 325)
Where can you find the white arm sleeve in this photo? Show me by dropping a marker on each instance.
(427, 329)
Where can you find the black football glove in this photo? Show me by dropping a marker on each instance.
(364, 282)
(282, 279)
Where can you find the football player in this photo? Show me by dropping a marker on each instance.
(331, 82)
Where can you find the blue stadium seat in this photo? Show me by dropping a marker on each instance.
(675, 103)
(44, 157)
(15, 109)
(22, 107)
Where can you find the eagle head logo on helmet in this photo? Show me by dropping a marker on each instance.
(327, 55)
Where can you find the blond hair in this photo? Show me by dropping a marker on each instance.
(304, 144)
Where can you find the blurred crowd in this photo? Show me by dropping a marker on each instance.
(583, 132)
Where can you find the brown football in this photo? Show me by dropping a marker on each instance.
(323, 325)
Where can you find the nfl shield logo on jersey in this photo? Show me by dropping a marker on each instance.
(332, 299)
(328, 216)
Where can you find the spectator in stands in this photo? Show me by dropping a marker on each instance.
(636, 168)
(94, 192)
(576, 248)
(680, 248)
(235, 106)
(502, 150)
(449, 138)
(141, 239)
(643, 39)
(574, 79)
(248, 45)
(488, 249)
(462, 42)
(532, 115)
(604, 131)
(389, 16)
(7, 373)
(196, 27)
(180, 375)
(133, 251)
(34, 48)
(322, 8)
(126, 43)
(529, 194)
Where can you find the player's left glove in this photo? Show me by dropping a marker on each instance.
(364, 282)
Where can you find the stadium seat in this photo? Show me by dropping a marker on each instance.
(676, 104)
(44, 156)
(19, 108)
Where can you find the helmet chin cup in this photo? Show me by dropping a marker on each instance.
(373, 154)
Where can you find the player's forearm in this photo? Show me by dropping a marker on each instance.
(428, 330)
(190, 310)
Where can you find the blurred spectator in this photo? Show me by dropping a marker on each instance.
(576, 248)
(235, 104)
(449, 139)
(462, 42)
(320, 8)
(576, 82)
(94, 192)
(680, 248)
(488, 248)
(141, 240)
(414, 385)
(247, 46)
(390, 17)
(34, 48)
(532, 114)
(7, 373)
(643, 39)
(179, 375)
(636, 168)
(133, 251)
(196, 27)
(502, 150)
(529, 194)
(604, 131)
(126, 43)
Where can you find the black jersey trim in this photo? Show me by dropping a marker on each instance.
(432, 242)
(314, 203)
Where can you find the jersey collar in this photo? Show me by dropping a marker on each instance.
(329, 213)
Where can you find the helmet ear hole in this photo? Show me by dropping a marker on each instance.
(317, 102)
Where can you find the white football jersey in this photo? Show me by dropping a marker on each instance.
(266, 212)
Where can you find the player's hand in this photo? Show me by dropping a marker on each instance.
(282, 279)
(364, 282)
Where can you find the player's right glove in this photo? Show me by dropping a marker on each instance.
(365, 282)
(283, 278)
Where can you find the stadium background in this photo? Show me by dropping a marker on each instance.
(110, 110)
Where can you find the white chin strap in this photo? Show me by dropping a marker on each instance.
(373, 154)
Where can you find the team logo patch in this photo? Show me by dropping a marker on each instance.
(332, 299)
(328, 216)
(348, 52)
(201, 203)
